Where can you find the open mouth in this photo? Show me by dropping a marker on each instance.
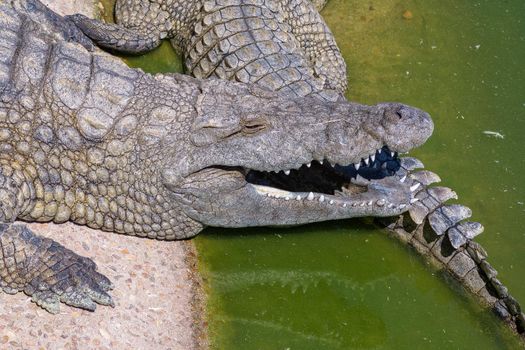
(326, 178)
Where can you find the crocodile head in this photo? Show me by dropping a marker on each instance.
(257, 159)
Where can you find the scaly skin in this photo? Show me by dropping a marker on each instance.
(84, 138)
(281, 45)
(438, 232)
(319, 4)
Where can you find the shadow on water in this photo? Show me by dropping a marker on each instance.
(341, 285)
(335, 285)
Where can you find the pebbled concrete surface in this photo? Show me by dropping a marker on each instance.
(157, 291)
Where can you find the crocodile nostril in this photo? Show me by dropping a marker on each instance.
(399, 114)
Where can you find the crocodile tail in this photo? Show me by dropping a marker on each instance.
(439, 233)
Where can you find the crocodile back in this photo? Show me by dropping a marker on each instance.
(249, 41)
(84, 132)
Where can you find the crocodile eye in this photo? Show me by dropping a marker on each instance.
(251, 127)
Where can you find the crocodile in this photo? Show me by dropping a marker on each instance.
(286, 46)
(281, 45)
(86, 139)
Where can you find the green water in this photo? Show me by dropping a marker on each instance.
(346, 285)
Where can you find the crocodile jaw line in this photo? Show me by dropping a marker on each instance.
(347, 206)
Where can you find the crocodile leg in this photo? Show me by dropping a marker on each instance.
(317, 42)
(49, 272)
(282, 45)
(141, 25)
(118, 38)
(38, 266)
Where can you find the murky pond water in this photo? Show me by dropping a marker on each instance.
(345, 284)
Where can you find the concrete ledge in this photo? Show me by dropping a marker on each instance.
(154, 296)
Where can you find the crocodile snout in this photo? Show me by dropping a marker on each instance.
(416, 116)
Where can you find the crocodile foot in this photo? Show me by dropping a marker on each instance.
(75, 283)
(49, 272)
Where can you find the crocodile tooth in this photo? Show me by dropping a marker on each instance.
(391, 205)
(298, 197)
(402, 206)
(344, 205)
(287, 172)
(357, 165)
(321, 199)
(381, 202)
(309, 164)
(379, 151)
(370, 203)
(414, 200)
(286, 198)
(321, 162)
(392, 154)
(373, 158)
(310, 196)
(415, 187)
(331, 202)
(366, 161)
(403, 178)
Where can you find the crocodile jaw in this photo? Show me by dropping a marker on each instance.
(256, 205)
(225, 197)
